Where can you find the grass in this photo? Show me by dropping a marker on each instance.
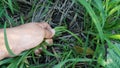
(82, 27)
(6, 42)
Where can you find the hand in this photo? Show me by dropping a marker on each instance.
(24, 37)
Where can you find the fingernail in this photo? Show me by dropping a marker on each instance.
(53, 32)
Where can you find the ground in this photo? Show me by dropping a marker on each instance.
(84, 31)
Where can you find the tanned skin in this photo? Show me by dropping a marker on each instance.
(25, 37)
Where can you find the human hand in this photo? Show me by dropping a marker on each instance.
(25, 37)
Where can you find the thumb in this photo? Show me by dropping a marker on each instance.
(49, 33)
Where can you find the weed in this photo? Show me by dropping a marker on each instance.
(87, 24)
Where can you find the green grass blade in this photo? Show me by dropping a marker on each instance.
(73, 60)
(13, 64)
(102, 12)
(113, 55)
(5, 61)
(47, 52)
(1, 11)
(74, 35)
(21, 18)
(94, 17)
(116, 36)
(10, 5)
(23, 57)
(6, 42)
(111, 45)
(62, 29)
(114, 10)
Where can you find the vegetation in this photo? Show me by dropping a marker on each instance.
(87, 32)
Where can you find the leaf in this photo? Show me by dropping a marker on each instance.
(113, 59)
(5, 61)
(94, 17)
(1, 11)
(101, 9)
(115, 9)
(116, 36)
(62, 29)
(47, 52)
(73, 60)
(6, 42)
(80, 50)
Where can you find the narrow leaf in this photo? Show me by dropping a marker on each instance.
(6, 42)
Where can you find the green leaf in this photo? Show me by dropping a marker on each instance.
(113, 59)
(94, 17)
(5, 61)
(10, 4)
(74, 35)
(1, 11)
(6, 42)
(72, 60)
(116, 36)
(101, 9)
(47, 52)
(115, 9)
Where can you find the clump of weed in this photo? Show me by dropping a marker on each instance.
(85, 29)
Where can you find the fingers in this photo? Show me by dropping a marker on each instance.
(49, 41)
(45, 25)
(49, 32)
(39, 50)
